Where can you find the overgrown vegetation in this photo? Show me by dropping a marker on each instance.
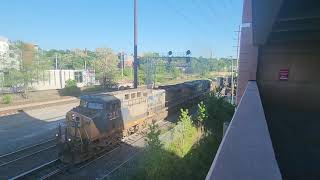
(71, 89)
(184, 136)
(24, 65)
(189, 152)
(6, 99)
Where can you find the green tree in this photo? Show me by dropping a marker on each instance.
(202, 115)
(219, 111)
(106, 66)
(152, 139)
(31, 67)
(183, 134)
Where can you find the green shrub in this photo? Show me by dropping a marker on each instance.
(71, 89)
(71, 83)
(6, 99)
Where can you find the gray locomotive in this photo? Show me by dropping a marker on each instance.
(103, 119)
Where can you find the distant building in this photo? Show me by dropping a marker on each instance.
(56, 79)
(128, 61)
(4, 49)
(4, 45)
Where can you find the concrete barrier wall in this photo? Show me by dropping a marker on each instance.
(246, 151)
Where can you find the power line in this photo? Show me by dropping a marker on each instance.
(179, 13)
(211, 13)
(196, 26)
(185, 17)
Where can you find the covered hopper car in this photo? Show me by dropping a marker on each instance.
(103, 119)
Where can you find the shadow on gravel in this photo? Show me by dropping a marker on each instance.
(21, 130)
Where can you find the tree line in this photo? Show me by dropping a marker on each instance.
(24, 64)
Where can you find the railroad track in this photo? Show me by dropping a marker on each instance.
(43, 171)
(109, 172)
(25, 152)
(53, 173)
(124, 162)
(130, 140)
(14, 163)
(55, 167)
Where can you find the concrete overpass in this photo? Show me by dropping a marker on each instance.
(274, 133)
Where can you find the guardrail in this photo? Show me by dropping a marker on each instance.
(246, 150)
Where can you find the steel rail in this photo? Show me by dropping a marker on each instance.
(26, 148)
(24, 174)
(131, 157)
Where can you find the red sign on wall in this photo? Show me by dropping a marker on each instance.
(284, 74)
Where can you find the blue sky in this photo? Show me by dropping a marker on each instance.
(178, 25)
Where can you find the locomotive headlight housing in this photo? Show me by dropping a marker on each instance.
(69, 140)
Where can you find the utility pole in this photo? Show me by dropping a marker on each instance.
(85, 59)
(232, 83)
(56, 61)
(238, 51)
(135, 61)
(122, 62)
(238, 46)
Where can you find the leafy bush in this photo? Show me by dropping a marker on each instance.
(71, 83)
(219, 111)
(6, 99)
(71, 89)
(184, 136)
(185, 151)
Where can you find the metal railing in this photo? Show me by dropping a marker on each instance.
(246, 150)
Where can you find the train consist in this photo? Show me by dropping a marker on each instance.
(103, 119)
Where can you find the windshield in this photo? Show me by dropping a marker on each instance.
(95, 106)
(83, 103)
(91, 105)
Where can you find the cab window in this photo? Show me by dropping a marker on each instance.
(83, 103)
(97, 106)
(133, 95)
(113, 107)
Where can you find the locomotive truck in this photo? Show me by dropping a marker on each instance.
(102, 120)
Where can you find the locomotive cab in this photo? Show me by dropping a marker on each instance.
(88, 124)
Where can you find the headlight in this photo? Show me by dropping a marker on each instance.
(57, 135)
(69, 139)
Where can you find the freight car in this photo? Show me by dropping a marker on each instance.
(101, 120)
